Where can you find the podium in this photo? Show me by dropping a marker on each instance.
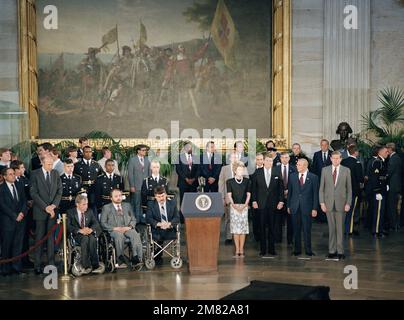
(202, 213)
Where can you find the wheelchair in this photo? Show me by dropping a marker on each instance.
(108, 252)
(74, 257)
(173, 244)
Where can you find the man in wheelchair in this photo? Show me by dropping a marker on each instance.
(118, 220)
(84, 227)
(162, 215)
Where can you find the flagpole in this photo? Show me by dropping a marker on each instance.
(117, 41)
(203, 58)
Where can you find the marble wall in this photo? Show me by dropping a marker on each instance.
(315, 57)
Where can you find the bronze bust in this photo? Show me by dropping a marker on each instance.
(344, 130)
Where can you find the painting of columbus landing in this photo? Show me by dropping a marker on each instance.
(128, 66)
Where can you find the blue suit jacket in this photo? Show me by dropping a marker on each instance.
(9, 208)
(304, 197)
(318, 163)
(153, 215)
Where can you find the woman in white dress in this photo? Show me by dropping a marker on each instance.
(238, 193)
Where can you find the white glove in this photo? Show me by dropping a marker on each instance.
(388, 188)
(379, 197)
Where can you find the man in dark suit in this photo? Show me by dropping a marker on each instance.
(20, 178)
(352, 162)
(256, 219)
(321, 158)
(394, 173)
(106, 183)
(286, 170)
(83, 226)
(188, 170)
(13, 209)
(211, 164)
(41, 151)
(302, 205)
(46, 192)
(163, 217)
(267, 196)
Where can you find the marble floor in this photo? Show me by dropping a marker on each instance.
(380, 265)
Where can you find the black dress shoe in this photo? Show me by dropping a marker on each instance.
(341, 257)
(272, 253)
(332, 256)
(296, 254)
(310, 254)
(261, 254)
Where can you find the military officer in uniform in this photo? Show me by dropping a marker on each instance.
(352, 162)
(107, 182)
(88, 170)
(151, 182)
(379, 189)
(297, 154)
(71, 187)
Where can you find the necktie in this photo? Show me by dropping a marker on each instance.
(163, 214)
(48, 182)
(301, 179)
(111, 178)
(285, 177)
(210, 161)
(119, 210)
(189, 161)
(14, 192)
(141, 161)
(324, 157)
(82, 221)
(268, 177)
(155, 179)
(334, 176)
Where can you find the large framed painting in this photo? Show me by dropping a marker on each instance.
(127, 67)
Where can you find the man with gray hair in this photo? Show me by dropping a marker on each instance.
(335, 198)
(46, 192)
(84, 227)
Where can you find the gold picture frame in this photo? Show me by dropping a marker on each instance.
(281, 72)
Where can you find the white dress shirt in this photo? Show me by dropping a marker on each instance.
(304, 176)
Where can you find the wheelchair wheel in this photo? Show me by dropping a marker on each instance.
(106, 252)
(150, 264)
(176, 262)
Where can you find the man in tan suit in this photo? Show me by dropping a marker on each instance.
(335, 198)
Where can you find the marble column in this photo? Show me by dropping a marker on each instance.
(346, 66)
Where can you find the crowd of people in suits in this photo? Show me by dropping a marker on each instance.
(285, 189)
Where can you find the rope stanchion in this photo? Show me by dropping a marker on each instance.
(65, 276)
(31, 249)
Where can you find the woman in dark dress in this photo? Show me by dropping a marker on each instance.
(238, 193)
